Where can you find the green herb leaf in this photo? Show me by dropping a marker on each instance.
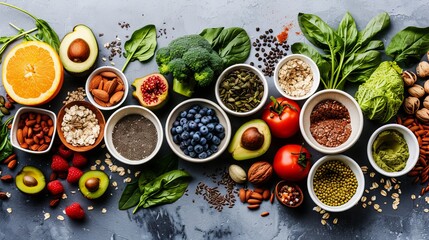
(375, 26)
(348, 31)
(130, 197)
(141, 46)
(158, 166)
(409, 44)
(232, 44)
(47, 34)
(6, 148)
(361, 61)
(4, 39)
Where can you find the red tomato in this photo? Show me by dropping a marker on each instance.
(282, 116)
(292, 162)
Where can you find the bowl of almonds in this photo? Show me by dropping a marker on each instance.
(80, 126)
(106, 88)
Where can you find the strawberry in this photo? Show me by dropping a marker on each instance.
(74, 175)
(64, 152)
(75, 211)
(55, 188)
(59, 164)
(79, 160)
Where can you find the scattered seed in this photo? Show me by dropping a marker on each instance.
(60, 217)
(426, 210)
(317, 209)
(372, 174)
(335, 221)
(46, 216)
(363, 199)
(98, 161)
(323, 221)
(379, 210)
(383, 193)
(104, 210)
(93, 167)
(325, 216)
(413, 196)
(376, 206)
(364, 205)
(373, 198)
(90, 208)
(102, 167)
(127, 180)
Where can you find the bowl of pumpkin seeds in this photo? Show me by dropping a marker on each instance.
(241, 90)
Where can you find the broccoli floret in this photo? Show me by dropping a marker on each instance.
(204, 77)
(185, 88)
(163, 56)
(164, 69)
(179, 69)
(196, 58)
(181, 45)
(216, 63)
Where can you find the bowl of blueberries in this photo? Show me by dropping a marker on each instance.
(198, 130)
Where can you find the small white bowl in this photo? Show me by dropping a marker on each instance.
(356, 119)
(15, 124)
(118, 115)
(257, 73)
(314, 69)
(413, 149)
(357, 172)
(98, 71)
(221, 115)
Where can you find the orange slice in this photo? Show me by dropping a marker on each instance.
(32, 73)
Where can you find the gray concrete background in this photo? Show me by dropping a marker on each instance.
(191, 217)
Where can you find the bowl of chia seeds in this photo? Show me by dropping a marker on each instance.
(241, 90)
(133, 134)
(335, 183)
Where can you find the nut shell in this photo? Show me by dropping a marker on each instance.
(237, 174)
(260, 173)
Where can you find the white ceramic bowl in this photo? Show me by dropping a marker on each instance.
(118, 115)
(15, 124)
(257, 73)
(221, 115)
(314, 69)
(413, 149)
(356, 118)
(357, 172)
(98, 71)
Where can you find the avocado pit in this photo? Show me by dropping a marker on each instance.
(78, 50)
(29, 181)
(252, 139)
(92, 184)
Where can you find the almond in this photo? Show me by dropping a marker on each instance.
(99, 102)
(43, 147)
(95, 82)
(253, 206)
(253, 201)
(119, 87)
(100, 85)
(12, 164)
(256, 195)
(272, 198)
(54, 202)
(51, 131)
(116, 97)
(259, 190)
(112, 86)
(248, 193)
(106, 85)
(19, 136)
(266, 194)
(242, 195)
(264, 214)
(10, 158)
(100, 94)
(7, 178)
(4, 196)
(108, 74)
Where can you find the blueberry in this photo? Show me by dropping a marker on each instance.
(188, 142)
(215, 140)
(215, 119)
(203, 111)
(206, 147)
(176, 139)
(192, 111)
(200, 125)
(203, 141)
(191, 133)
(197, 116)
(176, 123)
(204, 130)
(186, 152)
(210, 118)
(202, 155)
(209, 153)
(214, 148)
(205, 120)
(185, 127)
(182, 145)
(173, 131)
(209, 136)
(196, 107)
(190, 148)
(198, 148)
(219, 128)
(221, 135)
(196, 137)
(192, 125)
(197, 120)
(192, 154)
(184, 135)
(179, 129)
(210, 112)
(190, 116)
(183, 121)
(183, 114)
(193, 142)
(210, 126)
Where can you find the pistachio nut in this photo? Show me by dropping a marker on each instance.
(411, 105)
(416, 91)
(409, 78)
(237, 173)
(422, 69)
(423, 115)
(426, 102)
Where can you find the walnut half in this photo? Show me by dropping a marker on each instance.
(260, 173)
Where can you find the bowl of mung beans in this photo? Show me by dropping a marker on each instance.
(335, 183)
(241, 90)
(296, 77)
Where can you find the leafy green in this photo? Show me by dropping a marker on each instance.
(381, 96)
(6, 148)
(130, 196)
(349, 55)
(141, 46)
(408, 45)
(232, 44)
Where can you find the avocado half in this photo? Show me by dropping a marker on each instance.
(79, 51)
(239, 150)
(93, 184)
(30, 180)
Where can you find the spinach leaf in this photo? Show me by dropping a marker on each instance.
(141, 46)
(232, 44)
(130, 197)
(47, 34)
(375, 26)
(174, 182)
(360, 61)
(409, 44)
(6, 148)
(372, 45)
(156, 167)
(348, 31)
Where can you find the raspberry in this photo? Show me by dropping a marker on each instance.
(59, 164)
(79, 160)
(75, 211)
(74, 175)
(64, 152)
(55, 188)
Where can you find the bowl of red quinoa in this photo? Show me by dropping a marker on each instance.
(133, 134)
(331, 121)
(296, 77)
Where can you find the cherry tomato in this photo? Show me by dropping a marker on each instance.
(292, 162)
(282, 116)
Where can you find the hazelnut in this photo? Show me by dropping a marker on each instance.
(92, 184)
(411, 105)
(78, 50)
(423, 69)
(409, 78)
(260, 173)
(29, 181)
(252, 139)
(416, 91)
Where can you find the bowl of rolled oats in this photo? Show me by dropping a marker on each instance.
(296, 77)
(80, 126)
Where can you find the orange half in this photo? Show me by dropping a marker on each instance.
(32, 73)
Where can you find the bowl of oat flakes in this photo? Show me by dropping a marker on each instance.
(296, 77)
(80, 126)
